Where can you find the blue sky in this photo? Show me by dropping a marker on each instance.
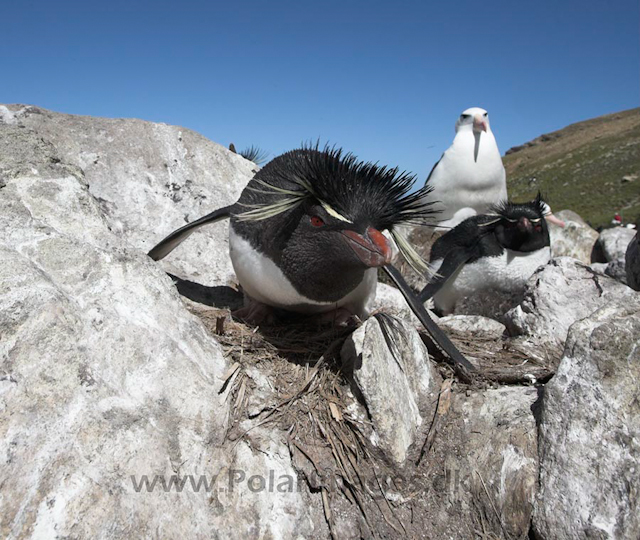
(385, 80)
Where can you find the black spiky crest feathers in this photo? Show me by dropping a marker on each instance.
(350, 190)
(354, 189)
(535, 209)
(255, 154)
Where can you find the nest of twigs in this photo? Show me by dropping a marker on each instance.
(290, 377)
(308, 400)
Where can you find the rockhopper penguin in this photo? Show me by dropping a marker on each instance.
(307, 236)
(500, 250)
(469, 177)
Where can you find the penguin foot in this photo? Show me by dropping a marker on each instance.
(256, 313)
(340, 317)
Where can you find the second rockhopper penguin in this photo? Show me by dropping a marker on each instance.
(499, 250)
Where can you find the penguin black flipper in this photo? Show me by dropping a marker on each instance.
(451, 263)
(166, 246)
(462, 366)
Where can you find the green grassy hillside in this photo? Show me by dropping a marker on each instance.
(592, 167)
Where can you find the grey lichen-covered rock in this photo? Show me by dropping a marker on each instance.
(260, 495)
(109, 387)
(615, 269)
(473, 325)
(632, 263)
(491, 460)
(390, 300)
(558, 295)
(590, 432)
(575, 240)
(614, 242)
(104, 373)
(147, 178)
(395, 379)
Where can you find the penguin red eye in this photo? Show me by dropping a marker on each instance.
(316, 221)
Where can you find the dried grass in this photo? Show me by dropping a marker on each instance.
(312, 405)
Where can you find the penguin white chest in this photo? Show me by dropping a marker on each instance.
(262, 280)
(509, 271)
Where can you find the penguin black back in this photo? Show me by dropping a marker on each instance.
(515, 226)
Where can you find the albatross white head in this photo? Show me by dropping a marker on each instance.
(474, 119)
(475, 122)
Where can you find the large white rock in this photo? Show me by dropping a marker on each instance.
(590, 432)
(558, 295)
(148, 180)
(496, 460)
(396, 380)
(106, 379)
(473, 326)
(575, 240)
(614, 242)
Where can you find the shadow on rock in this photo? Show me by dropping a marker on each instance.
(221, 296)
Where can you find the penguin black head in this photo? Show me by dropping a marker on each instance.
(522, 226)
(327, 202)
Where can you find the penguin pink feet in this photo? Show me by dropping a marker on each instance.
(340, 317)
(255, 313)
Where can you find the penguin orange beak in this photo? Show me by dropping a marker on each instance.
(479, 123)
(372, 247)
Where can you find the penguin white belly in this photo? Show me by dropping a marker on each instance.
(263, 281)
(509, 271)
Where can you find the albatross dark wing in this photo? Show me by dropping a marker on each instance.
(426, 182)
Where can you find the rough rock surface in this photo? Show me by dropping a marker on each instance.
(559, 294)
(614, 242)
(393, 375)
(105, 377)
(575, 240)
(615, 269)
(632, 263)
(390, 300)
(491, 460)
(148, 179)
(473, 325)
(590, 432)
